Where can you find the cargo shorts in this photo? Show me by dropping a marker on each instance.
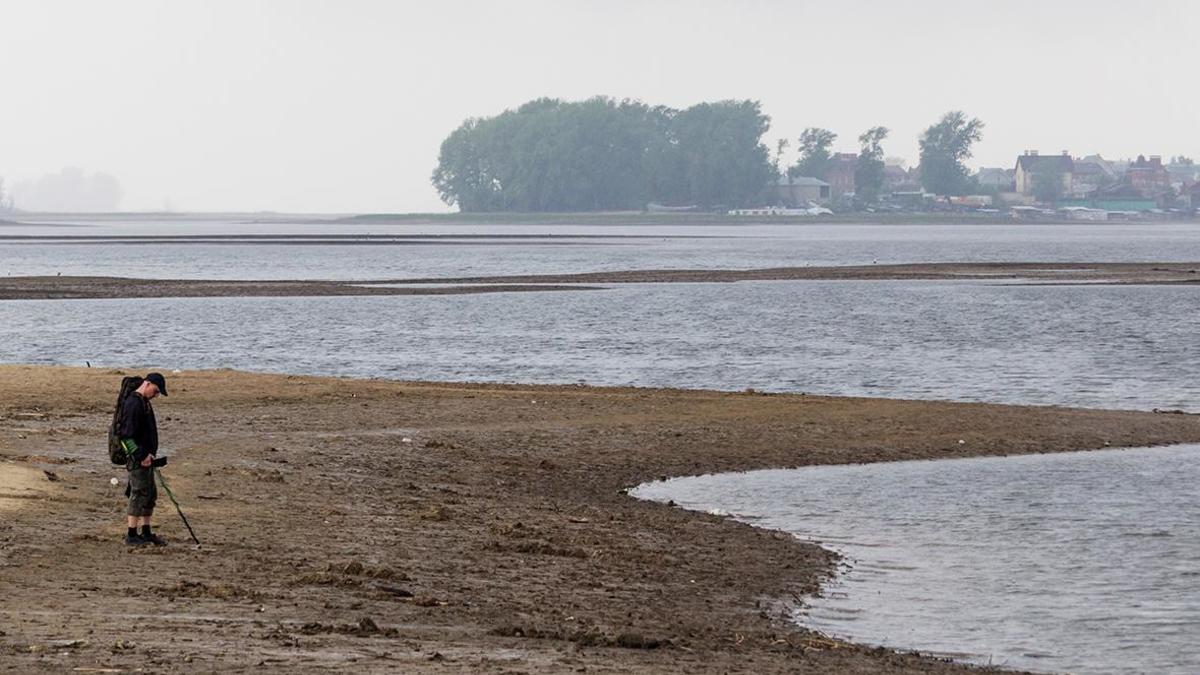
(142, 492)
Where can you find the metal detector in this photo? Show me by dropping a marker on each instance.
(163, 481)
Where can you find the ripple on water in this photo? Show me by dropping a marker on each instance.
(1079, 562)
(844, 338)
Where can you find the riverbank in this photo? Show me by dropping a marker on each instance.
(370, 526)
(599, 218)
(699, 218)
(70, 287)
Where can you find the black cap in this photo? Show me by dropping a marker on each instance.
(159, 381)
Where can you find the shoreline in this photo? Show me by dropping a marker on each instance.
(606, 218)
(488, 528)
(101, 287)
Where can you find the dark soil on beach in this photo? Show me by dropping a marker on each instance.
(68, 287)
(375, 526)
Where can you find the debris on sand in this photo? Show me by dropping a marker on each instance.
(268, 476)
(43, 459)
(356, 568)
(393, 591)
(366, 626)
(539, 547)
(199, 589)
(589, 636)
(351, 573)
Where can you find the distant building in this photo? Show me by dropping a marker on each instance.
(1108, 167)
(1148, 176)
(1117, 197)
(1183, 175)
(1031, 163)
(799, 191)
(1088, 177)
(999, 180)
(1195, 194)
(898, 179)
(840, 175)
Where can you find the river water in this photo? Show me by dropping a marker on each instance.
(1077, 562)
(1108, 346)
(432, 250)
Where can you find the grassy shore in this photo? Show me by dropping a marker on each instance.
(378, 526)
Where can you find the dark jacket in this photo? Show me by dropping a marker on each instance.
(137, 422)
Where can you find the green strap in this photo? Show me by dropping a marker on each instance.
(129, 445)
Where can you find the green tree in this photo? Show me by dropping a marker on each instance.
(548, 155)
(723, 159)
(814, 153)
(868, 173)
(603, 154)
(944, 148)
(463, 176)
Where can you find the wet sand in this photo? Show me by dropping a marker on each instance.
(80, 288)
(375, 526)
(68, 287)
(1083, 273)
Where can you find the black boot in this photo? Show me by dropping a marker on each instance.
(149, 537)
(132, 538)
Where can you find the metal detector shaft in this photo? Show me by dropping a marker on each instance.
(163, 481)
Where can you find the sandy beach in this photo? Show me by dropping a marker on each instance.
(378, 526)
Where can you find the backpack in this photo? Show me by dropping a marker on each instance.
(116, 451)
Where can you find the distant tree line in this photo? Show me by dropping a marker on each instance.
(604, 154)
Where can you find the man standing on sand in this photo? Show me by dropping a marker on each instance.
(138, 432)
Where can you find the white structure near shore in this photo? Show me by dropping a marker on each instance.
(812, 210)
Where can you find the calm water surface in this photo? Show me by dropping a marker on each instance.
(1098, 346)
(1079, 562)
(490, 250)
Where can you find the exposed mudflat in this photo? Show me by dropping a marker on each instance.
(70, 287)
(375, 526)
(1105, 273)
(75, 288)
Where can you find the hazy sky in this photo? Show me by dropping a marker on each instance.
(341, 106)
